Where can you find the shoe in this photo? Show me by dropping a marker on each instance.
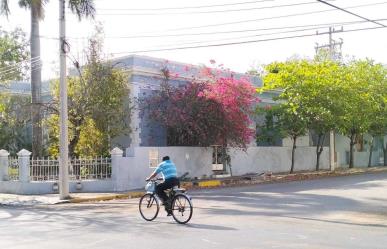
(169, 213)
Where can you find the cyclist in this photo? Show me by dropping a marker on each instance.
(168, 169)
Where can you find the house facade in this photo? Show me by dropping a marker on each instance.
(145, 76)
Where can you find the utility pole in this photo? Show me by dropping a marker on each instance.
(63, 138)
(333, 55)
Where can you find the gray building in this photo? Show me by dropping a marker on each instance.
(145, 76)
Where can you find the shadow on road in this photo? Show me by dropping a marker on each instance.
(210, 227)
(315, 200)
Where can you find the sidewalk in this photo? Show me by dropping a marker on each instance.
(50, 199)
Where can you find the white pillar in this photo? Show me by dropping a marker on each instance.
(4, 165)
(116, 154)
(332, 150)
(135, 119)
(24, 165)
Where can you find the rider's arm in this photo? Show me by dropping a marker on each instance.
(157, 170)
(151, 176)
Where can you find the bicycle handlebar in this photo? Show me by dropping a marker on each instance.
(155, 179)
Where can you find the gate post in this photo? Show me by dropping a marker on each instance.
(116, 154)
(4, 165)
(24, 165)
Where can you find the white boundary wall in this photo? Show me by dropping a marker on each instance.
(276, 159)
(130, 172)
(198, 162)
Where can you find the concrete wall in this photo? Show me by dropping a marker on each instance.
(276, 159)
(131, 171)
(198, 162)
(195, 160)
(360, 157)
(301, 141)
(35, 188)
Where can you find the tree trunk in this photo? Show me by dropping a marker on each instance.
(226, 159)
(384, 153)
(76, 136)
(293, 152)
(351, 144)
(319, 149)
(73, 143)
(37, 135)
(371, 148)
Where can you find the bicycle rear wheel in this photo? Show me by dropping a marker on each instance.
(182, 208)
(149, 207)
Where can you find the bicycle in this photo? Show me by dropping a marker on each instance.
(181, 205)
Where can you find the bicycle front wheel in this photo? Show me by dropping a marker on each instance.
(182, 208)
(149, 207)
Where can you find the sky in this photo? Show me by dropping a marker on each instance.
(257, 30)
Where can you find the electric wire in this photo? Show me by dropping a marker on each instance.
(230, 31)
(238, 43)
(199, 7)
(16, 66)
(206, 12)
(272, 17)
(349, 12)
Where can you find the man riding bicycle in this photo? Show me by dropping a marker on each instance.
(168, 169)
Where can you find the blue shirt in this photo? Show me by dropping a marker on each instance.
(167, 168)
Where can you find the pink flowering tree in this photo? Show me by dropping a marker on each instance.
(206, 112)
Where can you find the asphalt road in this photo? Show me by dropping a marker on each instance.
(341, 212)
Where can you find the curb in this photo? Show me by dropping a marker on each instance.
(106, 198)
(241, 181)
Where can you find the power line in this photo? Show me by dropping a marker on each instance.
(236, 43)
(250, 36)
(197, 7)
(233, 31)
(20, 62)
(219, 32)
(140, 35)
(270, 18)
(16, 66)
(33, 69)
(349, 12)
(205, 12)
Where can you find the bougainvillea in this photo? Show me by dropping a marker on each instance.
(205, 112)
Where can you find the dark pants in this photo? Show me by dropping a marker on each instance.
(167, 184)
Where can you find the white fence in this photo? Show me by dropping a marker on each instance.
(47, 169)
(13, 169)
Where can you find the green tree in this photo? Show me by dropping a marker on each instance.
(14, 119)
(268, 130)
(292, 124)
(356, 103)
(99, 107)
(82, 8)
(13, 55)
(13, 109)
(378, 110)
(309, 88)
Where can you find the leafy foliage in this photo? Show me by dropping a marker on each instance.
(99, 107)
(13, 55)
(14, 120)
(268, 130)
(309, 88)
(204, 113)
(327, 95)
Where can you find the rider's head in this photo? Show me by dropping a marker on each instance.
(165, 158)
